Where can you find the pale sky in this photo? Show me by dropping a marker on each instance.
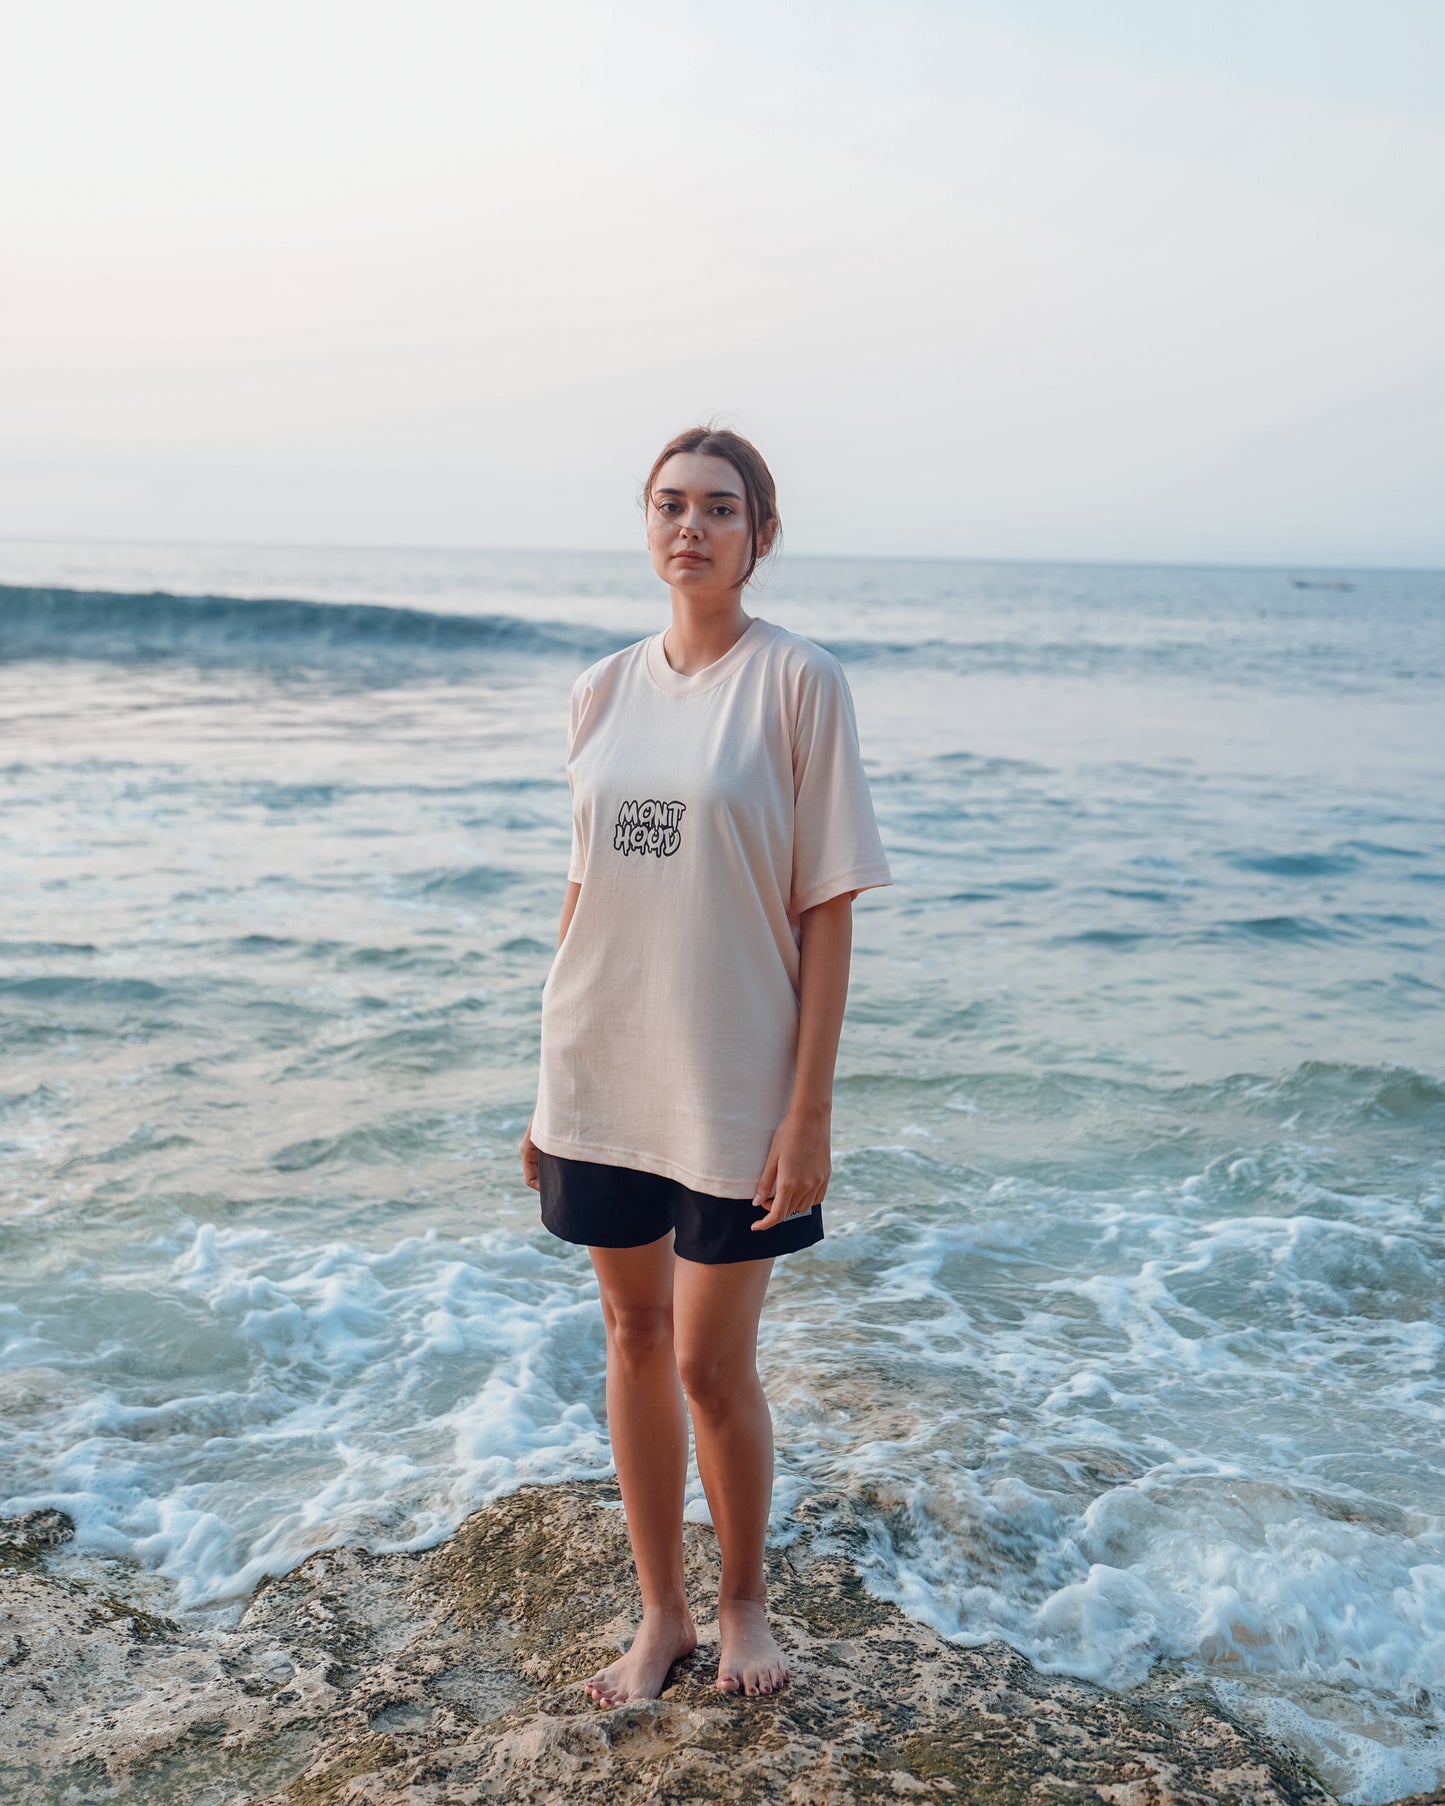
(1099, 279)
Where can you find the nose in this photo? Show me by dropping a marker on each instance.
(692, 528)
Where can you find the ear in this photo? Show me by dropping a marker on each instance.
(766, 537)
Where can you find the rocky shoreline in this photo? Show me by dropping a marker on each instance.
(451, 1676)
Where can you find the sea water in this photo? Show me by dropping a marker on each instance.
(1128, 1333)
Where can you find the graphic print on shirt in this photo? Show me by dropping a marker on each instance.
(648, 827)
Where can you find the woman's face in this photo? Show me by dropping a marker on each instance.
(697, 524)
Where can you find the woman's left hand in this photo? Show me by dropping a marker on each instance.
(798, 1168)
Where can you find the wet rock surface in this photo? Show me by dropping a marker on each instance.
(453, 1675)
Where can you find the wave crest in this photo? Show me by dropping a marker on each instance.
(118, 627)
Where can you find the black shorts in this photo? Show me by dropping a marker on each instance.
(620, 1207)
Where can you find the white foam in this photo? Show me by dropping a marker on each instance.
(388, 1394)
(1159, 1467)
(1110, 1431)
(1365, 1756)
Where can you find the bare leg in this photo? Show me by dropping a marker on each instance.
(717, 1310)
(648, 1427)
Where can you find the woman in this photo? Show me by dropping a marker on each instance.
(722, 826)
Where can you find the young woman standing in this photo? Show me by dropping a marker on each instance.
(722, 825)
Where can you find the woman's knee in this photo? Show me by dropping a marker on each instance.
(716, 1381)
(638, 1332)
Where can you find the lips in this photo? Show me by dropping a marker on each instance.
(689, 558)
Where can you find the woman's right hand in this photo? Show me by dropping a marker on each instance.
(529, 1156)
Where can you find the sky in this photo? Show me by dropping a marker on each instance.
(1094, 279)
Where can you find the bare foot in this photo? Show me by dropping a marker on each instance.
(751, 1661)
(661, 1640)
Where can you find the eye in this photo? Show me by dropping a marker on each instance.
(722, 508)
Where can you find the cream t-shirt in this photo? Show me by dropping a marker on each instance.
(708, 812)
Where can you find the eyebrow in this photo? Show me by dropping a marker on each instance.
(713, 495)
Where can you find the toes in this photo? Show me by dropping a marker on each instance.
(753, 1681)
(756, 1681)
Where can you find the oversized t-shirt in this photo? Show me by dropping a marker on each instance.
(708, 812)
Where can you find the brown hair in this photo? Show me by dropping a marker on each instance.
(745, 458)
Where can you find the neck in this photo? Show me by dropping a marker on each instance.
(703, 630)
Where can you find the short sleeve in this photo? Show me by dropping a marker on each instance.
(836, 844)
(581, 692)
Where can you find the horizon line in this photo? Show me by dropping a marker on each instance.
(279, 545)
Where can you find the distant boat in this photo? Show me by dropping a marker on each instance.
(1320, 583)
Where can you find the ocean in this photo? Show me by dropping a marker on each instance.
(1128, 1333)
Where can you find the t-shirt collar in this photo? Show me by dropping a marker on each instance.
(674, 683)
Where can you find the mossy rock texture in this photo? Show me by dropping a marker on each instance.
(453, 1675)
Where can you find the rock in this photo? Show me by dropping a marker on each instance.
(24, 1540)
(452, 1675)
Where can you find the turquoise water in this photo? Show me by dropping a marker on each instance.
(1129, 1329)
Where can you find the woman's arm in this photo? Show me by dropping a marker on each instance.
(800, 1158)
(826, 953)
(569, 904)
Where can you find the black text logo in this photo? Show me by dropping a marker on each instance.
(648, 827)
